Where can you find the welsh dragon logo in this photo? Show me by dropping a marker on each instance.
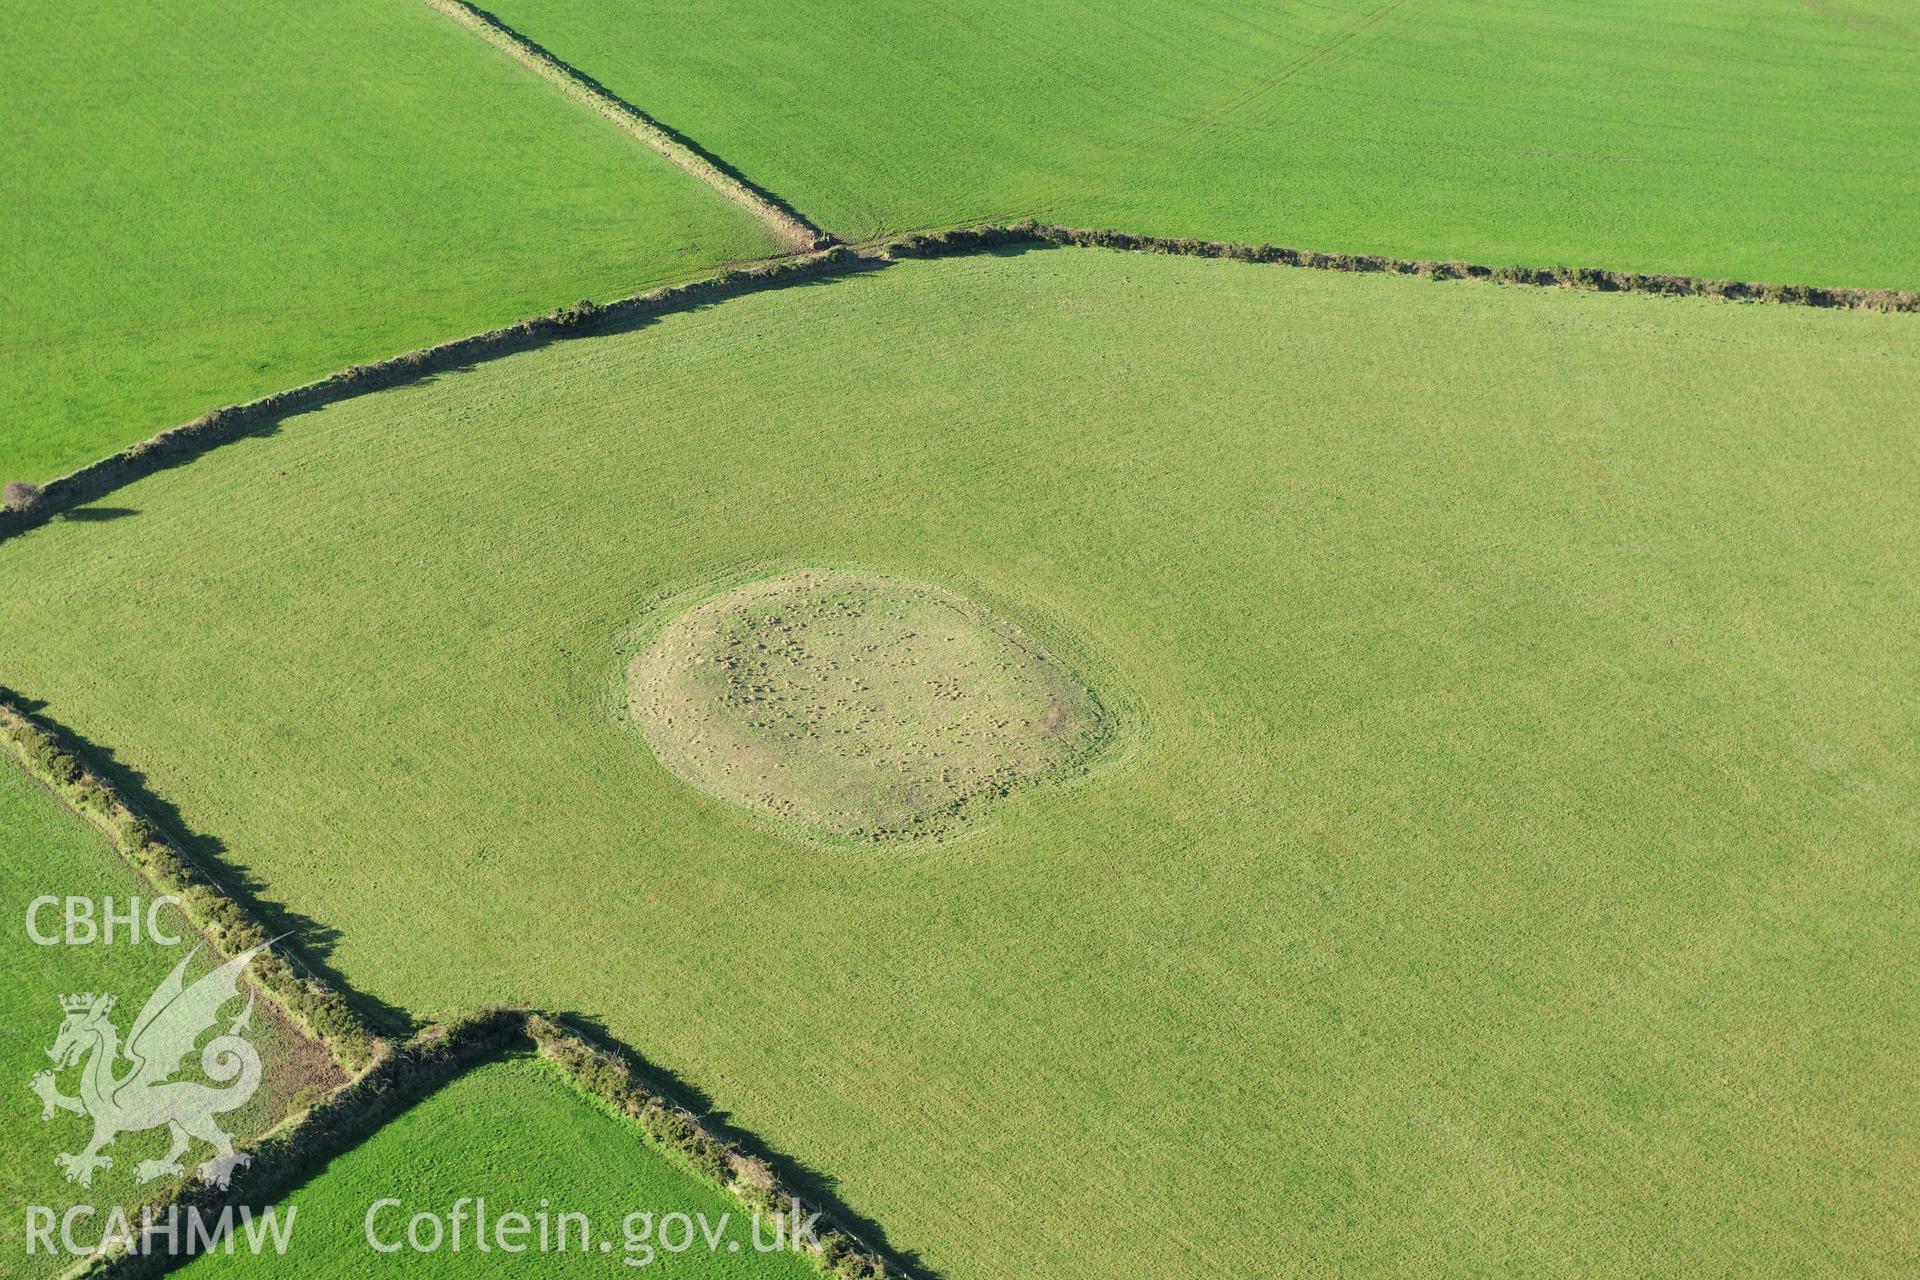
(142, 1096)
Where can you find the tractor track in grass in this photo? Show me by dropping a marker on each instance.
(1335, 46)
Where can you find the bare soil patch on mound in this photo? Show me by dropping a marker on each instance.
(858, 704)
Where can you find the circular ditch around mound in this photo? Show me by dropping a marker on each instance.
(857, 704)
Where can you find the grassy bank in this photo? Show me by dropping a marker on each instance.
(47, 850)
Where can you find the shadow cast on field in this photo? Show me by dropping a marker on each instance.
(71, 497)
(98, 515)
(679, 138)
(360, 1121)
(306, 944)
(817, 1189)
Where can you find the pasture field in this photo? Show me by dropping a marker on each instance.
(1511, 866)
(1770, 140)
(206, 202)
(518, 1134)
(45, 848)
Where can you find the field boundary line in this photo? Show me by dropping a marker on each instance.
(382, 1076)
(317, 1008)
(179, 445)
(794, 231)
(302, 1143)
(300, 1146)
(984, 238)
(607, 1072)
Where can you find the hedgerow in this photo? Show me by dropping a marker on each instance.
(182, 444)
(793, 230)
(400, 1076)
(219, 426)
(608, 1077)
(387, 1076)
(974, 239)
(404, 1074)
(311, 1004)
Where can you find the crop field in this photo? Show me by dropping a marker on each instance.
(210, 201)
(1504, 860)
(47, 850)
(1099, 640)
(517, 1134)
(1772, 140)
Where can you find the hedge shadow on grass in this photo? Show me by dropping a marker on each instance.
(393, 1073)
(788, 223)
(181, 445)
(98, 515)
(301, 1150)
(810, 1185)
(303, 942)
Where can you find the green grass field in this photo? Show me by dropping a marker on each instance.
(1511, 872)
(1771, 140)
(207, 202)
(47, 849)
(519, 1135)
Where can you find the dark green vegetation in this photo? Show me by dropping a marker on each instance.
(1514, 866)
(47, 849)
(1771, 140)
(518, 1134)
(209, 201)
(854, 703)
